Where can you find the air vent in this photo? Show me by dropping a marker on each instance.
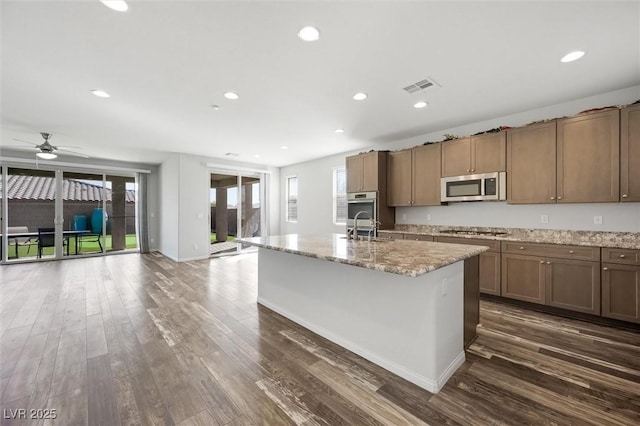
(420, 85)
(231, 154)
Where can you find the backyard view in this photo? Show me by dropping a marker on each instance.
(90, 202)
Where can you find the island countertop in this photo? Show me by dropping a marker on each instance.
(402, 257)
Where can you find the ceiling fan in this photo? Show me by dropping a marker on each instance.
(46, 151)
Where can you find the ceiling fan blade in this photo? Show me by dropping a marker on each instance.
(17, 147)
(23, 141)
(68, 152)
(67, 147)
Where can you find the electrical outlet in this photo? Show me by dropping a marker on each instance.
(428, 218)
(597, 220)
(404, 216)
(544, 218)
(444, 287)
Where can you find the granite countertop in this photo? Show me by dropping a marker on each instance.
(402, 257)
(628, 240)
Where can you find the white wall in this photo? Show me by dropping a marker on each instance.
(616, 217)
(185, 208)
(315, 196)
(316, 192)
(168, 217)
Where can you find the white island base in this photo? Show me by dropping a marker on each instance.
(411, 326)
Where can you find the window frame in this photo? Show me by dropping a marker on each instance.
(288, 219)
(335, 195)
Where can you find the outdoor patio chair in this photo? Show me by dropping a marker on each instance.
(46, 238)
(21, 241)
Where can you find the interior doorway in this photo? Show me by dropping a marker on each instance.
(236, 211)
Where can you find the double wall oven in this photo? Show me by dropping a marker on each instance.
(366, 202)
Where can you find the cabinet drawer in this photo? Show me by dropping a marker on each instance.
(418, 237)
(552, 250)
(492, 244)
(625, 256)
(390, 236)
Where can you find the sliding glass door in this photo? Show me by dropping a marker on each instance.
(236, 210)
(51, 214)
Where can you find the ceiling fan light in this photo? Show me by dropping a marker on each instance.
(46, 155)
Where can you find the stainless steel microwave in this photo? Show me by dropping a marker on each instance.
(480, 187)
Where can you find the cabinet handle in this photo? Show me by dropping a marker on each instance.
(542, 262)
(552, 198)
(468, 170)
(624, 195)
(521, 248)
(605, 269)
(473, 170)
(571, 252)
(622, 256)
(559, 198)
(548, 263)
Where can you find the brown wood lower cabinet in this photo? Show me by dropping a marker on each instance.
(523, 277)
(567, 283)
(573, 285)
(489, 262)
(621, 292)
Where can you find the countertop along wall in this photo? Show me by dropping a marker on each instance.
(315, 190)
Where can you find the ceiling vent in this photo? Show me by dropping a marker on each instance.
(420, 85)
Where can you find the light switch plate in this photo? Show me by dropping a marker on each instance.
(404, 216)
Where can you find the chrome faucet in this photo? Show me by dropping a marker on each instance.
(353, 233)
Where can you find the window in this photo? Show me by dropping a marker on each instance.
(292, 199)
(339, 196)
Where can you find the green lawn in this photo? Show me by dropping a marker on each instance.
(213, 237)
(86, 247)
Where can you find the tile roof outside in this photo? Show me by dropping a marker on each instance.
(43, 188)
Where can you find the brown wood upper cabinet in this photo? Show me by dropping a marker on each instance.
(475, 154)
(531, 164)
(364, 171)
(588, 158)
(413, 176)
(630, 153)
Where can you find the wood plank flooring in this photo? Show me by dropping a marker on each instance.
(141, 340)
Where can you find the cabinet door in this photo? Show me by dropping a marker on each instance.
(426, 175)
(490, 273)
(621, 292)
(630, 154)
(354, 173)
(573, 285)
(456, 157)
(588, 155)
(370, 171)
(399, 178)
(488, 153)
(531, 164)
(523, 278)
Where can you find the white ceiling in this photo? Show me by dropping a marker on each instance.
(165, 63)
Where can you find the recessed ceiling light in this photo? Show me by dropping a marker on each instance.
(257, 156)
(231, 95)
(284, 147)
(339, 130)
(360, 96)
(420, 104)
(572, 56)
(118, 5)
(46, 155)
(309, 34)
(101, 93)
(215, 107)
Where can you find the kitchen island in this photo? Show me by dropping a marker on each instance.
(399, 304)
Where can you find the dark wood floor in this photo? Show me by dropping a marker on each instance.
(139, 339)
